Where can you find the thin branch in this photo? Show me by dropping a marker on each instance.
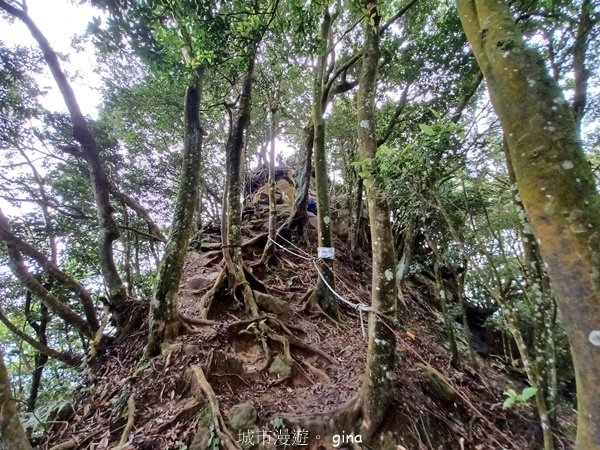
(69, 359)
(394, 120)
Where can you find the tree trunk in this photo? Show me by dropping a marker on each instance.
(127, 252)
(580, 73)
(232, 223)
(40, 358)
(298, 217)
(165, 322)
(11, 429)
(541, 300)
(381, 352)
(322, 293)
(356, 229)
(269, 251)
(555, 184)
(443, 295)
(16, 247)
(107, 227)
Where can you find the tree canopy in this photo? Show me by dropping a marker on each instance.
(451, 153)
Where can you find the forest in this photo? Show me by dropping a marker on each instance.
(303, 224)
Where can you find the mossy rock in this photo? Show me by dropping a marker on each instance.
(242, 417)
(272, 304)
(438, 385)
(200, 441)
(280, 367)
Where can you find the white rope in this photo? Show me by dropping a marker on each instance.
(295, 246)
(309, 258)
(358, 306)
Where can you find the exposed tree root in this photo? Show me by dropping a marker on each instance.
(326, 424)
(263, 328)
(67, 445)
(254, 282)
(285, 343)
(310, 305)
(256, 240)
(199, 322)
(76, 441)
(130, 420)
(99, 333)
(304, 346)
(319, 374)
(208, 298)
(202, 388)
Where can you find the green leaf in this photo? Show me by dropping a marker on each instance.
(278, 423)
(429, 131)
(528, 393)
(510, 401)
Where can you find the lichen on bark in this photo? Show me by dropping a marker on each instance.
(555, 184)
(165, 322)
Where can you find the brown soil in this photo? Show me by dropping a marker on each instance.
(167, 413)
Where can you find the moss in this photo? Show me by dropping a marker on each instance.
(438, 385)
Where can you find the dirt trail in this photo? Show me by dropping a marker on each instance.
(247, 362)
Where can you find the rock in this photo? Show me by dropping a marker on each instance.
(191, 350)
(437, 384)
(207, 246)
(200, 441)
(226, 363)
(242, 417)
(280, 367)
(272, 304)
(193, 255)
(202, 281)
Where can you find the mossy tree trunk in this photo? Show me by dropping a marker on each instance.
(322, 293)
(232, 223)
(355, 228)
(165, 322)
(11, 429)
(542, 302)
(443, 295)
(581, 73)
(298, 217)
(269, 251)
(555, 184)
(377, 390)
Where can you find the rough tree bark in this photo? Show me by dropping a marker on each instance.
(11, 429)
(377, 389)
(269, 251)
(541, 299)
(165, 321)
(555, 184)
(232, 224)
(298, 217)
(321, 293)
(107, 227)
(40, 327)
(580, 72)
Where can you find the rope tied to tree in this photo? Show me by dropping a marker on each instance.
(360, 307)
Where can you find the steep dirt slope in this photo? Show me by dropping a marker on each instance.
(292, 367)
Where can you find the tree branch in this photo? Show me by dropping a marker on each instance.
(70, 360)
